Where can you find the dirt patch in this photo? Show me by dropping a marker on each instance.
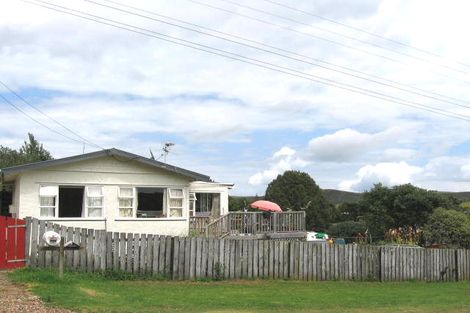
(17, 298)
(89, 292)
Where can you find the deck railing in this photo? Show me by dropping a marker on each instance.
(198, 224)
(252, 223)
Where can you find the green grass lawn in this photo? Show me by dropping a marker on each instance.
(95, 293)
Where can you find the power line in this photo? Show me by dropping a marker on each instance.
(374, 80)
(293, 30)
(363, 31)
(36, 121)
(85, 141)
(241, 58)
(341, 35)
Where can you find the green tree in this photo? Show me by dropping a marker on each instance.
(296, 190)
(9, 157)
(398, 206)
(31, 151)
(448, 227)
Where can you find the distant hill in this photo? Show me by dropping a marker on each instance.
(339, 196)
(463, 195)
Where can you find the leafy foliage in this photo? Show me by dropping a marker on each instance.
(448, 227)
(31, 151)
(383, 208)
(297, 191)
(347, 229)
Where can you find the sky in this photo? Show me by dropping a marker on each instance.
(342, 90)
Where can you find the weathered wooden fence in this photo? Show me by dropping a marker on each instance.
(194, 258)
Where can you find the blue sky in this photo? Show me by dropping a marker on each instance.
(240, 123)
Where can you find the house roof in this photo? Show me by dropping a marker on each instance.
(13, 170)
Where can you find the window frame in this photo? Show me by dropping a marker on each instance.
(56, 202)
(175, 197)
(133, 198)
(87, 207)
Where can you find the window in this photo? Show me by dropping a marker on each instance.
(192, 204)
(150, 202)
(126, 202)
(175, 202)
(94, 201)
(207, 204)
(48, 200)
(71, 201)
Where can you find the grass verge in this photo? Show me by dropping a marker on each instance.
(120, 292)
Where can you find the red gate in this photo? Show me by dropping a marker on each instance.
(12, 242)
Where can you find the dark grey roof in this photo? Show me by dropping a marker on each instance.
(108, 152)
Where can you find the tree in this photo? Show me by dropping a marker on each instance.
(296, 190)
(448, 227)
(9, 157)
(399, 206)
(31, 151)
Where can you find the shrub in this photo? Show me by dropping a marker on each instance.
(449, 227)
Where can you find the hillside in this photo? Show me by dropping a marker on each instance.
(338, 196)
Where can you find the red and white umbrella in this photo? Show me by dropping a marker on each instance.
(267, 206)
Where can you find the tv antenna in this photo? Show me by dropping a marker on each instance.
(166, 149)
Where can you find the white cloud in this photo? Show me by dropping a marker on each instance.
(283, 160)
(349, 144)
(388, 174)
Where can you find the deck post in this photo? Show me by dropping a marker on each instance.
(275, 222)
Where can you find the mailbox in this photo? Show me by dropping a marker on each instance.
(51, 238)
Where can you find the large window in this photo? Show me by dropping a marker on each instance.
(71, 201)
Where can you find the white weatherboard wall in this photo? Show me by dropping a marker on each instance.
(111, 173)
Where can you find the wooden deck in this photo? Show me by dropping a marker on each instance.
(256, 224)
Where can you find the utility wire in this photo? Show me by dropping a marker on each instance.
(397, 42)
(375, 79)
(84, 140)
(241, 58)
(38, 122)
(290, 29)
(341, 35)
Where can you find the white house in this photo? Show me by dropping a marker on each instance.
(114, 190)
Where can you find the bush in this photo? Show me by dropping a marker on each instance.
(449, 227)
(346, 229)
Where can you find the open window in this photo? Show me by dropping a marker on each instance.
(71, 201)
(150, 202)
(207, 204)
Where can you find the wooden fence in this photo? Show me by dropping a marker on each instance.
(197, 258)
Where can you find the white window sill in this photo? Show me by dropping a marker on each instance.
(149, 219)
(74, 219)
